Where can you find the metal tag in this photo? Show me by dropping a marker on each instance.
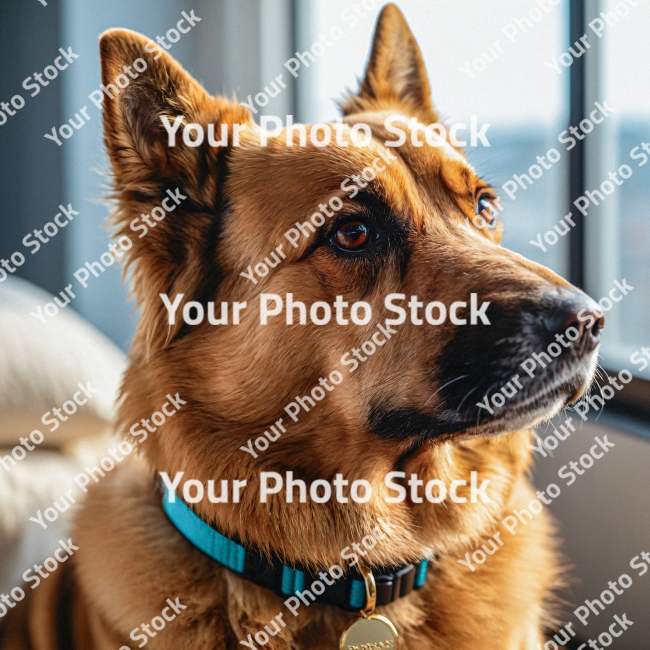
(372, 632)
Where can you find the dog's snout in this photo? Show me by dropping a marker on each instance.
(580, 313)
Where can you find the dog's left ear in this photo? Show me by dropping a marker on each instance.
(395, 78)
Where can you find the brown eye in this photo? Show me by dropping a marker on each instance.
(352, 236)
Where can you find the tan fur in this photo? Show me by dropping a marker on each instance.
(237, 379)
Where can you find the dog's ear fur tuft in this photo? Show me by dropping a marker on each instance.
(395, 75)
(175, 252)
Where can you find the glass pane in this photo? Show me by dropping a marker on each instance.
(619, 227)
(492, 67)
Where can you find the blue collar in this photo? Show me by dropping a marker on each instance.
(347, 592)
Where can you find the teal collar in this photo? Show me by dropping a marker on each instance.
(347, 592)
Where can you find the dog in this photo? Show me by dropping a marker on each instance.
(412, 408)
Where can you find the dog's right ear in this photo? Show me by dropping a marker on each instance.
(143, 84)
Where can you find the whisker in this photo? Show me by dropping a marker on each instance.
(478, 414)
(466, 396)
(441, 387)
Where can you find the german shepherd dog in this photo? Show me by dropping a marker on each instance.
(411, 408)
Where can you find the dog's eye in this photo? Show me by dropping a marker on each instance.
(352, 236)
(485, 209)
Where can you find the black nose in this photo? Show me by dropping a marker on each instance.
(580, 313)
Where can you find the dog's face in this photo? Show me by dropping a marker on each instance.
(415, 398)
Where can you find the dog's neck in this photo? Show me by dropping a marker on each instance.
(342, 588)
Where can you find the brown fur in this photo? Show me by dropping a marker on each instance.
(237, 379)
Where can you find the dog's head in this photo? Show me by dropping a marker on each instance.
(412, 404)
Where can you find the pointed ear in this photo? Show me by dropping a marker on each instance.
(134, 133)
(174, 240)
(395, 75)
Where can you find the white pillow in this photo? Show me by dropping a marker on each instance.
(41, 365)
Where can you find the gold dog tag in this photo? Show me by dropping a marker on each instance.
(371, 632)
